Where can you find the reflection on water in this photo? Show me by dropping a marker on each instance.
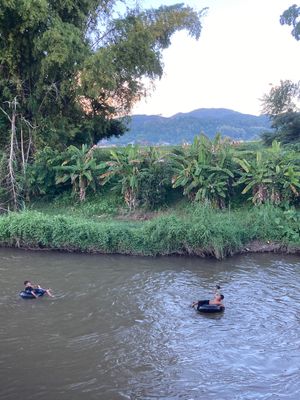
(123, 328)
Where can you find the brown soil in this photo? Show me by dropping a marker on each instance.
(270, 247)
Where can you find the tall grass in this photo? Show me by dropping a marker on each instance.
(201, 231)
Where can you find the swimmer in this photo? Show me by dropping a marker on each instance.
(36, 290)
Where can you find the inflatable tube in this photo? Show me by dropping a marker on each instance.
(210, 308)
(26, 295)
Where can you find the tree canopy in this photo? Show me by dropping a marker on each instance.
(291, 17)
(71, 67)
(281, 104)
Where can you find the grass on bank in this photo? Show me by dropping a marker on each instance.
(193, 230)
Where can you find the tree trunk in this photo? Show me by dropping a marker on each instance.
(82, 189)
(12, 158)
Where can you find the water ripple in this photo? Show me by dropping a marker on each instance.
(123, 328)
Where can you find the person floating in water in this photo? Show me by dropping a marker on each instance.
(217, 300)
(36, 290)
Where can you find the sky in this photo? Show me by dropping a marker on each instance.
(242, 50)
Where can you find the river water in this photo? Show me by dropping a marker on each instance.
(122, 328)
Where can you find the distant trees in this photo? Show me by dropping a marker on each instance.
(281, 104)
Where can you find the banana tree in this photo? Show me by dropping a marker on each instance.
(205, 170)
(270, 175)
(80, 168)
(126, 166)
(155, 178)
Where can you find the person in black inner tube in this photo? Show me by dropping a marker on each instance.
(217, 300)
(35, 290)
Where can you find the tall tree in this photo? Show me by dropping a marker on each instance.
(73, 67)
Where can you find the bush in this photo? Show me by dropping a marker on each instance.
(202, 232)
(41, 175)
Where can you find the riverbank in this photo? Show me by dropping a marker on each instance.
(198, 231)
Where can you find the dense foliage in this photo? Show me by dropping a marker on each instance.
(281, 105)
(205, 170)
(217, 171)
(140, 174)
(272, 176)
(201, 231)
(291, 17)
(90, 186)
(70, 67)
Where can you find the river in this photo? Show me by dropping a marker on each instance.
(122, 328)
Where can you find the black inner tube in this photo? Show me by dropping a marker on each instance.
(204, 306)
(210, 308)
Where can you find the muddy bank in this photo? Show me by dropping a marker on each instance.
(270, 247)
(253, 247)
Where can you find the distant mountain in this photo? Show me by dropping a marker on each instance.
(182, 127)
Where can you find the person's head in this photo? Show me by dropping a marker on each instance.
(219, 297)
(27, 283)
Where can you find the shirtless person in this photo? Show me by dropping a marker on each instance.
(217, 301)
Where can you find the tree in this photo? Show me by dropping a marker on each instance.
(287, 129)
(155, 179)
(40, 178)
(80, 168)
(271, 175)
(126, 166)
(291, 17)
(281, 99)
(204, 170)
(73, 67)
(280, 104)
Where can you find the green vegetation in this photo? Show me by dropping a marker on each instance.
(80, 168)
(69, 71)
(272, 176)
(205, 170)
(200, 230)
(69, 67)
(212, 198)
(281, 106)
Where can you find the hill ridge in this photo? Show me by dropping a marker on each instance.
(182, 127)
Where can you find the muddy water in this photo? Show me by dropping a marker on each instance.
(122, 328)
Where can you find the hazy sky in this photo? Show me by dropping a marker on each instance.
(241, 51)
